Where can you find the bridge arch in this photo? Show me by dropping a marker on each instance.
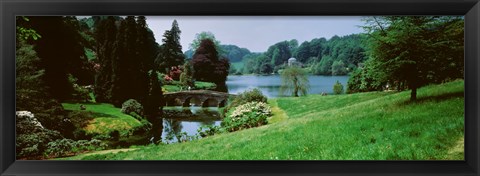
(192, 101)
(210, 102)
(222, 103)
(174, 102)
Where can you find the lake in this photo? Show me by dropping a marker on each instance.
(270, 85)
(173, 125)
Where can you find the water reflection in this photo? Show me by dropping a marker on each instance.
(179, 122)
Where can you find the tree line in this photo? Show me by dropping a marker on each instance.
(336, 56)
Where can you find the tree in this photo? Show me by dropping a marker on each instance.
(293, 44)
(416, 49)
(147, 51)
(233, 52)
(186, 77)
(207, 66)
(294, 81)
(155, 98)
(338, 68)
(171, 49)
(338, 88)
(202, 36)
(106, 48)
(126, 51)
(279, 53)
(61, 53)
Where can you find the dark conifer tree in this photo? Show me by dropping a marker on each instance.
(154, 100)
(106, 38)
(172, 54)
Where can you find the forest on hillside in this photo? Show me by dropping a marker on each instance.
(339, 55)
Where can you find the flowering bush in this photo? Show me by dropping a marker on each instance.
(253, 95)
(32, 137)
(167, 79)
(248, 115)
(175, 72)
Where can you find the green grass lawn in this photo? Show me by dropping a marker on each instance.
(363, 126)
(107, 118)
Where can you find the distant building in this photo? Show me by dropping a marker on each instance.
(292, 61)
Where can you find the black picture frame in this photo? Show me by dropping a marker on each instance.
(10, 8)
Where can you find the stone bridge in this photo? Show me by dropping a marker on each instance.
(204, 98)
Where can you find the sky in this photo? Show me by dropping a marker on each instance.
(256, 33)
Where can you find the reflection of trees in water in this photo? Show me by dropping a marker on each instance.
(205, 123)
(156, 131)
(172, 129)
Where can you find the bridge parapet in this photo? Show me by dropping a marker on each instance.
(205, 98)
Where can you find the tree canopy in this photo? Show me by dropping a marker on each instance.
(294, 81)
(208, 66)
(413, 51)
(171, 50)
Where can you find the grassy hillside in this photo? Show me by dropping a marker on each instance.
(363, 126)
(107, 118)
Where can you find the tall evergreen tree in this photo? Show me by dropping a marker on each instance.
(147, 50)
(172, 54)
(154, 100)
(106, 48)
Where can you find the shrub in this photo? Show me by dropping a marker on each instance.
(145, 127)
(338, 88)
(66, 147)
(33, 145)
(254, 95)
(132, 105)
(32, 137)
(136, 116)
(209, 130)
(248, 115)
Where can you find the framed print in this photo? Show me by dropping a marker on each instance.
(239, 87)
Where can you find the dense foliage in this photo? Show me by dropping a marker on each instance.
(208, 66)
(410, 52)
(61, 52)
(336, 56)
(126, 53)
(65, 59)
